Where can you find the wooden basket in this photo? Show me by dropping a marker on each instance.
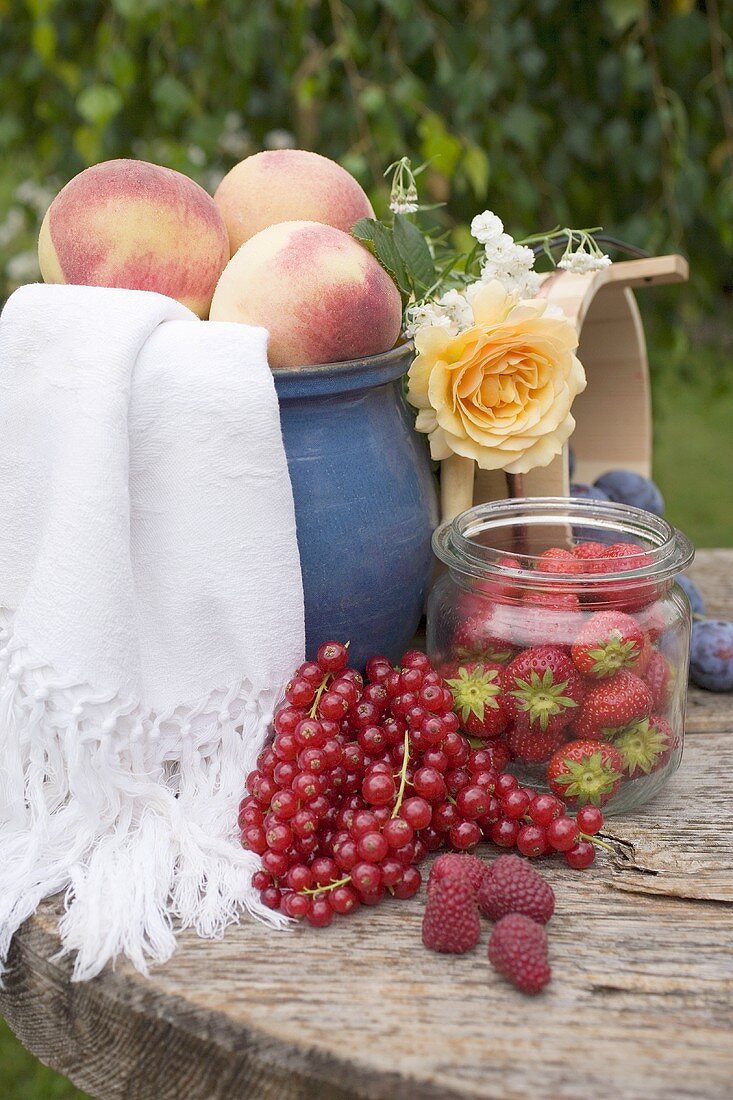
(613, 415)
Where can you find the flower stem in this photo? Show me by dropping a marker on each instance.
(403, 776)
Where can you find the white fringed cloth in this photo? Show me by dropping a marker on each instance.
(151, 609)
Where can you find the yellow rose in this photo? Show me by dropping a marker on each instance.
(500, 392)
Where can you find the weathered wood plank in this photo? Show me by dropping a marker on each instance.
(641, 1002)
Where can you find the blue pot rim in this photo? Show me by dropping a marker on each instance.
(322, 379)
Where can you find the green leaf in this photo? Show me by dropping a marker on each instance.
(476, 170)
(414, 253)
(380, 240)
(99, 103)
(43, 38)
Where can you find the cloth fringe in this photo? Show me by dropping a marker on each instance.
(132, 814)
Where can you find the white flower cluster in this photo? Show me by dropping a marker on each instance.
(403, 194)
(451, 311)
(511, 263)
(581, 261)
(398, 207)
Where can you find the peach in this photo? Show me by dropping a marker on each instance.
(322, 296)
(282, 185)
(127, 223)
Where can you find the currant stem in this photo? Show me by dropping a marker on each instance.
(314, 708)
(599, 843)
(325, 889)
(403, 776)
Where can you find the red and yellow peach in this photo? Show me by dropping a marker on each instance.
(127, 223)
(322, 296)
(281, 185)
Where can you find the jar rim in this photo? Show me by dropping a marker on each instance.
(667, 549)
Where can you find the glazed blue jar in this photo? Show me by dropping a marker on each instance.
(365, 502)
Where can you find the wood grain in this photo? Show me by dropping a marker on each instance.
(641, 1002)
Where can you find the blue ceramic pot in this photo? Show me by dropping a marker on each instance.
(365, 502)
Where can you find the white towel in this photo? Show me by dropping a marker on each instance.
(151, 610)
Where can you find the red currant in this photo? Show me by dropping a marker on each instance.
(544, 808)
(464, 835)
(253, 839)
(472, 802)
(321, 913)
(310, 732)
(271, 897)
(429, 784)
(409, 884)
(372, 847)
(581, 855)
(312, 672)
(505, 782)
(397, 832)
(287, 719)
(333, 706)
(304, 823)
(332, 656)
(590, 820)
(344, 899)
(366, 877)
(504, 832)
(378, 669)
(532, 841)
(417, 811)
(279, 837)
(275, 863)
(515, 803)
(300, 693)
(562, 834)
(300, 877)
(378, 789)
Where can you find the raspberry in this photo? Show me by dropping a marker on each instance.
(513, 886)
(463, 866)
(451, 921)
(518, 950)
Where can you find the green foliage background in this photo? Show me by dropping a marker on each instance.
(583, 112)
(615, 112)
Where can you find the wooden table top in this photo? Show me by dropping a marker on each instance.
(640, 1005)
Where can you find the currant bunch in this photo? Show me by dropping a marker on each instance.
(363, 779)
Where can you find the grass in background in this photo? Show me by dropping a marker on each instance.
(22, 1077)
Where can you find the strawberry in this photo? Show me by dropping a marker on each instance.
(532, 746)
(645, 745)
(560, 601)
(451, 921)
(557, 560)
(542, 688)
(610, 640)
(628, 594)
(613, 704)
(476, 639)
(518, 950)
(591, 555)
(658, 676)
(477, 699)
(585, 771)
(498, 587)
(548, 618)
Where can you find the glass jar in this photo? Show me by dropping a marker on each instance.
(566, 642)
